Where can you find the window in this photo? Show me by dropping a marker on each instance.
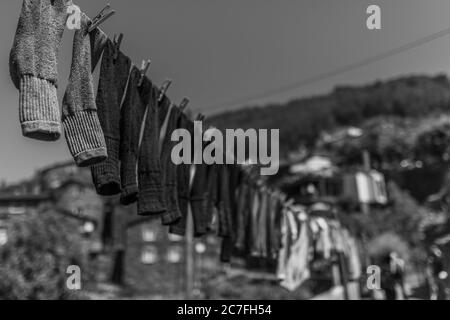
(148, 235)
(174, 254)
(3, 237)
(149, 255)
(88, 227)
(16, 210)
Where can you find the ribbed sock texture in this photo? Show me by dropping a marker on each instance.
(33, 66)
(82, 127)
(39, 110)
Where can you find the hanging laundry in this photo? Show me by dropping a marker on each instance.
(225, 226)
(151, 192)
(243, 217)
(355, 265)
(114, 75)
(183, 182)
(323, 243)
(254, 214)
(273, 227)
(260, 250)
(33, 66)
(82, 127)
(131, 119)
(223, 203)
(212, 195)
(293, 267)
(169, 169)
(197, 200)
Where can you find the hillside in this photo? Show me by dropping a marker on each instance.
(301, 121)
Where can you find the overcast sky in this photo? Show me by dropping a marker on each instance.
(222, 50)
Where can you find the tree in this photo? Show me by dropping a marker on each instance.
(33, 263)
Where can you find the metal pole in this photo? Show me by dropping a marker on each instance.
(189, 247)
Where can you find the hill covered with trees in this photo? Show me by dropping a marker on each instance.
(302, 121)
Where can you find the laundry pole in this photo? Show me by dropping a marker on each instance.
(189, 246)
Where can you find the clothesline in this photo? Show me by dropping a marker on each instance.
(106, 133)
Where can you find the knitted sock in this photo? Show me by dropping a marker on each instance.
(169, 169)
(33, 66)
(225, 227)
(113, 80)
(183, 183)
(132, 114)
(198, 200)
(82, 127)
(151, 191)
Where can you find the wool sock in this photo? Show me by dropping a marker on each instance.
(151, 192)
(183, 182)
(33, 66)
(131, 119)
(82, 127)
(169, 169)
(114, 75)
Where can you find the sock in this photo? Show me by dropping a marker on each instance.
(113, 80)
(33, 66)
(82, 127)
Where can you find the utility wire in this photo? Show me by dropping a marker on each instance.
(329, 74)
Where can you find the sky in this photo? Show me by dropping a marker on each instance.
(217, 51)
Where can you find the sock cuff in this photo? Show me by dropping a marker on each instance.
(40, 116)
(85, 138)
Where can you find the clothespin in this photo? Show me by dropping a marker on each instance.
(144, 68)
(162, 92)
(101, 17)
(117, 42)
(184, 104)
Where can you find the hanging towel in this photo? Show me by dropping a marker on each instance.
(151, 192)
(114, 74)
(82, 127)
(169, 169)
(131, 119)
(33, 66)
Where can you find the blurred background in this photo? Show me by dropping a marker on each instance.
(364, 136)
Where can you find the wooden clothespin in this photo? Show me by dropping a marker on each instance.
(184, 104)
(144, 68)
(117, 42)
(162, 92)
(101, 17)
